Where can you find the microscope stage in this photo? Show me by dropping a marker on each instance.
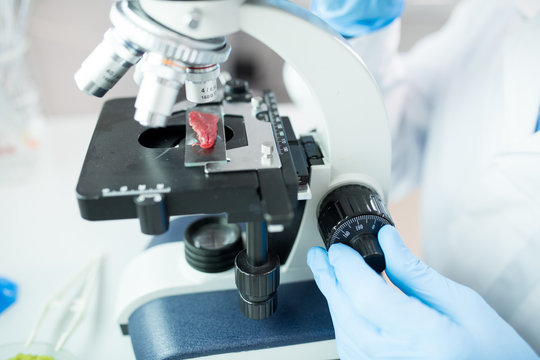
(127, 163)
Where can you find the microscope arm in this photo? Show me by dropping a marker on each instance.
(354, 134)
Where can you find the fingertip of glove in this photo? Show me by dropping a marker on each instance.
(337, 250)
(388, 230)
(402, 266)
(389, 238)
(317, 257)
(339, 254)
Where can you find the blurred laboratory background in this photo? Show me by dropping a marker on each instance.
(63, 32)
(50, 121)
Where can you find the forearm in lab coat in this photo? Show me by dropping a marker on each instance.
(411, 83)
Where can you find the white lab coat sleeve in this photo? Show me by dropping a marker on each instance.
(412, 82)
(407, 106)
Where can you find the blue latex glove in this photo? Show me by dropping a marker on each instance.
(357, 17)
(8, 293)
(434, 317)
(537, 128)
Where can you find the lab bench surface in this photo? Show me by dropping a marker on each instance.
(44, 242)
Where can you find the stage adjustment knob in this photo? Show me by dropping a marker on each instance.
(152, 214)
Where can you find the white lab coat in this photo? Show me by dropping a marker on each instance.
(463, 105)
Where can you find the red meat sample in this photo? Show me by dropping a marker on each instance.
(205, 125)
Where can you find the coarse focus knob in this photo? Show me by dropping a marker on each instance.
(257, 286)
(353, 215)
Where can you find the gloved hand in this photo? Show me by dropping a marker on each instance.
(357, 17)
(434, 317)
(8, 293)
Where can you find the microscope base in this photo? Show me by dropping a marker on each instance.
(203, 325)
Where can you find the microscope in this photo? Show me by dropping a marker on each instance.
(246, 208)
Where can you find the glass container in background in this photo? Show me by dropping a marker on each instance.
(21, 119)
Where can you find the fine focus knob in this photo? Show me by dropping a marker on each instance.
(257, 286)
(353, 215)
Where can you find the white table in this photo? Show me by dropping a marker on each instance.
(44, 242)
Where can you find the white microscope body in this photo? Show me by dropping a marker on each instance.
(352, 133)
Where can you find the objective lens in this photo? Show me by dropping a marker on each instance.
(109, 61)
(160, 82)
(155, 101)
(201, 83)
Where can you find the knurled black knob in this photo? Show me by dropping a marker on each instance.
(257, 286)
(237, 90)
(353, 215)
(259, 310)
(152, 214)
